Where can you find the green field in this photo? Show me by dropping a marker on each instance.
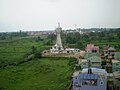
(14, 51)
(39, 74)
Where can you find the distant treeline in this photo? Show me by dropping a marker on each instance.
(11, 35)
(78, 40)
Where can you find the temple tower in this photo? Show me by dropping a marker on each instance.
(57, 48)
(58, 37)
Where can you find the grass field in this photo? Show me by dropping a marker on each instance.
(15, 51)
(39, 74)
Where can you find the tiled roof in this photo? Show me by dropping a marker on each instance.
(112, 48)
(90, 54)
(94, 59)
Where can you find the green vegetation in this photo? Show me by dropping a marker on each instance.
(18, 50)
(80, 41)
(38, 74)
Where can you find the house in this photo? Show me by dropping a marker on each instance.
(92, 48)
(90, 79)
(109, 51)
(115, 65)
(95, 62)
(116, 78)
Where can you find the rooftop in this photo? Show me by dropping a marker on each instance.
(111, 49)
(94, 59)
(95, 71)
(88, 76)
(90, 54)
(115, 61)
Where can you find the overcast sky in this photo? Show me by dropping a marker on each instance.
(27, 15)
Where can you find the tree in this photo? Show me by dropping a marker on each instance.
(33, 49)
(38, 54)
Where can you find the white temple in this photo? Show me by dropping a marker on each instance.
(58, 48)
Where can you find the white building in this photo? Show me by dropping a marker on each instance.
(57, 48)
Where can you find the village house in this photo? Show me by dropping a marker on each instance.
(95, 62)
(109, 52)
(90, 79)
(92, 48)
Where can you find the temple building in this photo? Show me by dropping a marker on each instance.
(58, 47)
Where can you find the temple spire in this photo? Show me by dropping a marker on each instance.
(58, 24)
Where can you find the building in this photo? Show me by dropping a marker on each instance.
(71, 50)
(92, 48)
(95, 62)
(109, 51)
(90, 79)
(115, 65)
(58, 47)
(116, 78)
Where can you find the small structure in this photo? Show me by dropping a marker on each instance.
(116, 78)
(115, 65)
(71, 50)
(90, 79)
(92, 48)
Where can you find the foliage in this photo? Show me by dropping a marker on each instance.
(18, 50)
(39, 74)
(76, 40)
(38, 54)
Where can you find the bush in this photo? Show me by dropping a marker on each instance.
(38, 54)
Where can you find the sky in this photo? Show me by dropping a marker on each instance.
(28, 15)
